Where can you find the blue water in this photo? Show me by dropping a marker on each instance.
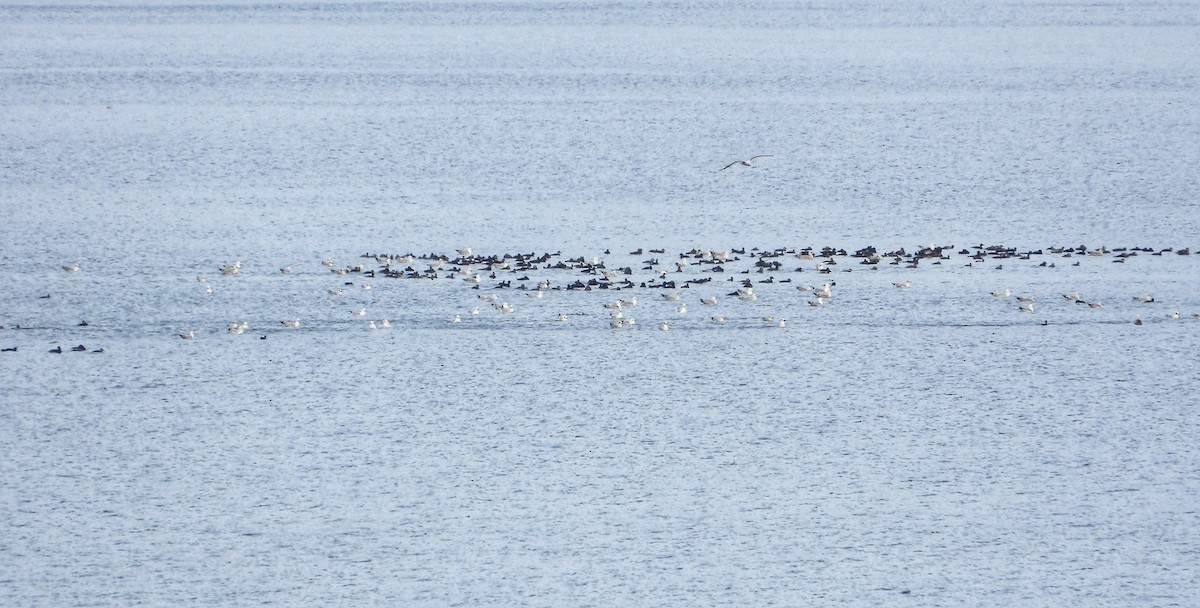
(930, 445)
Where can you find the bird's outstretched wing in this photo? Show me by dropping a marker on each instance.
(729, 165)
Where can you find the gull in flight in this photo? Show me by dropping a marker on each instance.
(745, 163)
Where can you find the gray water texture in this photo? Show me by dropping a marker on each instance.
(926, 446)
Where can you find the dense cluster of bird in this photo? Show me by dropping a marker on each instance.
(497, 280)
(536, 274)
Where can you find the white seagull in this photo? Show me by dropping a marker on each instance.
(745, 163)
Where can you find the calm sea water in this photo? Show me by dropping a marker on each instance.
(928, 446)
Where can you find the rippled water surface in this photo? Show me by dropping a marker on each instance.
(929, 445)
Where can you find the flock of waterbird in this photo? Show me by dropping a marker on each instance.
(712, 277)
(718, 281)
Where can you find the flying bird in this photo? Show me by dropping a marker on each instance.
(745, 163)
